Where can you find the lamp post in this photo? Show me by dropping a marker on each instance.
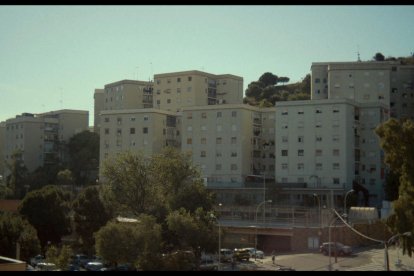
(257, 209)
(319, 210)
(219, 238)
(386, 259)
(347, 193)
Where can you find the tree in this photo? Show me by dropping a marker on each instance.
(379, 57)
(90, 215)
(397, 138)
(14, 229)
(47, 210)
(59, 256)
(127, 178)
(16, 180)
(193, 231)
(130, 242)
(83, 151)
(268, 79)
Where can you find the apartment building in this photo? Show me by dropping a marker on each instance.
(319, 143)
(124, 94)
(98, 100)
(388, 82)
(2, 143)
(224, 140)
(146, 130)
(39, 137)
(173, 91)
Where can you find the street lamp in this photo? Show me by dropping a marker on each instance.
(257, 209)
(219, 238)
(319, 210)
(386, 259)
(347, 193)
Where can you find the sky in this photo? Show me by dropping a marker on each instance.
(54, 57)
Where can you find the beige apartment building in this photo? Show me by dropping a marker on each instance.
(388, 82)
(145, 131)
(174, 91)
(329, 143)
(225, 141)
(2, 143)
(124, 94)
(39, 136)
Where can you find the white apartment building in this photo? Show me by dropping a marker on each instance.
(39, 136)
(173, 91)
(321, 143)
(227, 143)
(387, 82)
(137, 130)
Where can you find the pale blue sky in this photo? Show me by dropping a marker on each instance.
(53, 57)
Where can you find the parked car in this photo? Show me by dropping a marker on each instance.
(226, 255)
(36, 259)
(80, 260)
(94, 266)
(46, 267)
(341, 250)
(241, 254)
(254, 253)
(209, 265)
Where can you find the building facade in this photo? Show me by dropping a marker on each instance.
(39, 137)
(173, 91)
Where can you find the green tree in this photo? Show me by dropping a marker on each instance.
(61, 257)
(397, 138)
(127, 179)
(13, 230)
(47, 209)
(90, 215)
(17, 179)
(130, 242)
(379, 57)
(83, 151)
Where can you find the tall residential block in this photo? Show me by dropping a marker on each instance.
(329, 143)
(39, 138)
(387, 82)
(145, 131)
(174, 91)
(98, 100)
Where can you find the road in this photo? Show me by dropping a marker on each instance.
(364, 259)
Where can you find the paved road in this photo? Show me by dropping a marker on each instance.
(364, 259)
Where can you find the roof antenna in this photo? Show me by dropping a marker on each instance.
(359, 59)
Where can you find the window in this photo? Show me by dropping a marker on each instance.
(219, 114)
(300, 152)
(284, 166)
(284, 152)
(190, 78)
(284, 112)
(284, 139)
(335, 166)
(145, 130)
(178, 79)
(158, 101)
(218, 154)
(233, 167)
(203, 140)
(189, 141)
(335, 123)
(317, 80)
(335, 152)
(335, 110)
(335, 138)
(284, 126)
(203, 115)
(335, 180)
(318, 166)
(203, 153)
(132, 130)
(300, 112)
(233, 154)
(318, 110)
(146, 118)
(318, 138)
(119, 121)
(234, 114)
(106, 130)
(218, 167)
(301, 166)
(189, 115)
(218, 140)
(318, 125)
(168, 101)
(178, 90)
(300, 139)
(233, 140)
(119, 132)
(318, 152)
(106, 120)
